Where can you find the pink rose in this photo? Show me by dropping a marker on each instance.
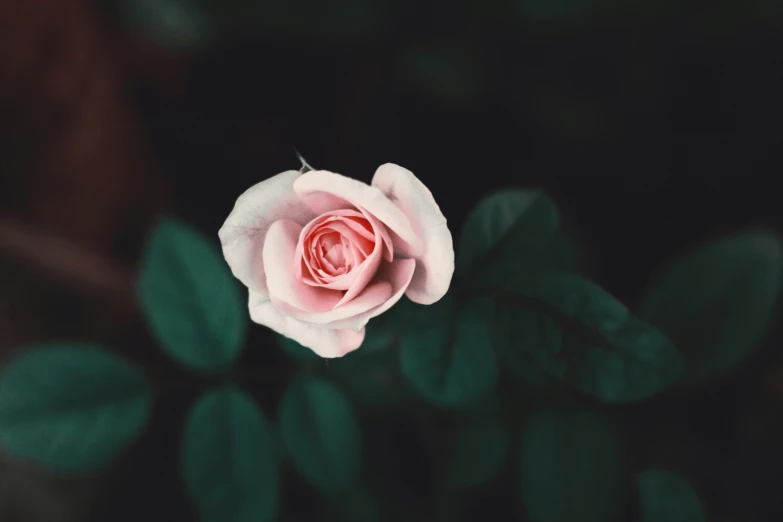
(322, 254)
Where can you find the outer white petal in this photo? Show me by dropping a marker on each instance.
(243, 233)
(325, 342)
(435, 264)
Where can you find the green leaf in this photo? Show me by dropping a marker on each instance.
(321, 434)
(561, 254)
(229, 460)
(72, 407)
(665, 496)
(571, 468)
(558, 254)
(478, 454)
(514, 356)
(193, 304)
(370, 377)
(716, 301)
(582, 335)
(452, 364)
(506, 225)
(176, 24)
(386, 331)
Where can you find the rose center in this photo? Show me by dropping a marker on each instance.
(335, 245)
(333, 250)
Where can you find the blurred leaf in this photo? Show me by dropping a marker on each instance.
(487, 409)
(558, 254)
(519, 360)
(386, 331)
(449, 73)
(452, 364)
(175, 24)
(371, 377)
(72, 407)
(572, 468)
(581, 334)
(668, 497)
(371, 374)
(561, 254)
(229, 460)
(321, 434)
(478, 455)
(192, 302)
(716, 301)
(506, 225)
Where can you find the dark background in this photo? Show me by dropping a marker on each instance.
(653, 125)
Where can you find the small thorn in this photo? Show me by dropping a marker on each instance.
(305, 166)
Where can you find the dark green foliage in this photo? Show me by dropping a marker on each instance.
(451, 361)
(192, 302)
(506, 226)
(479, 452)
(180, 25)
(71, 407)
(371, 378)
(665, 496)
(583, 336)
(229, 460)
(650, 123)
(370, 375)
(321, 434)
(571, 468)
(716, 301)
(518, 328)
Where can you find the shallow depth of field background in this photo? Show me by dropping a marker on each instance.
(653, 124)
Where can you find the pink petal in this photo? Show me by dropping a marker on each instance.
(372, 297)
(346, 224)
(244, 231)
(435, 264)
(325, 191)
(399, 274)
(366, 271)
(279, 259)
(348, 231)
(380, 230)
(344, 281)
(351, 219)
(327, 343)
